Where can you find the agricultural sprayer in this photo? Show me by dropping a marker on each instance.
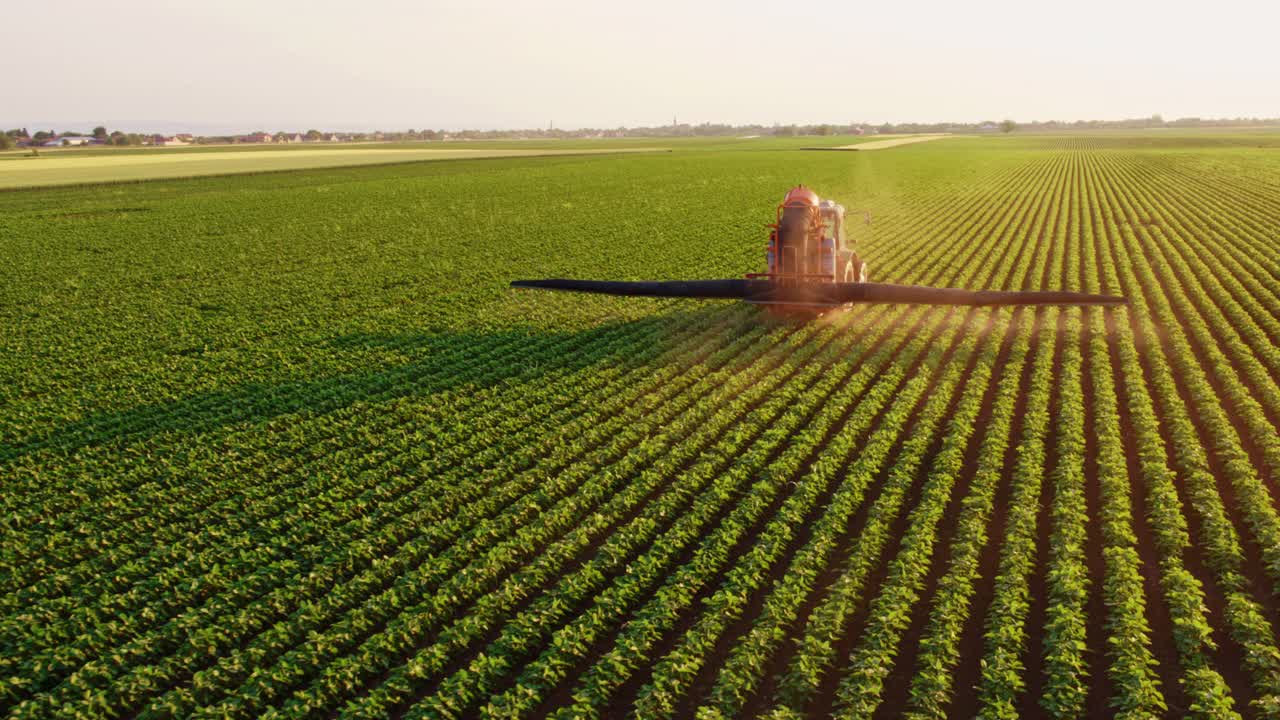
(811, 268)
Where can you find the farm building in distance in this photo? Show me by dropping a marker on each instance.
(69, 140)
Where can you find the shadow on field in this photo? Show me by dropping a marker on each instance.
(436, 363)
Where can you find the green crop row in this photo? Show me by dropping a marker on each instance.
(1219, 540)
(619, 550)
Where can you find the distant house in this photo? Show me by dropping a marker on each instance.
(296, 137)
(988, 127)
(261, 137)
(66, 141)
(176, 140)
(334, 138)
(185, 137)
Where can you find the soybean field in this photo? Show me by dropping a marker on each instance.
(287, 446)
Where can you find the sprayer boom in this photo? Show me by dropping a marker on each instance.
(822, 295)
(811, 268)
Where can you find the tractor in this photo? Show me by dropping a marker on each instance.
(808, 243)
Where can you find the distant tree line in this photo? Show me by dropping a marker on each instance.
(723, 130)
(20, 135)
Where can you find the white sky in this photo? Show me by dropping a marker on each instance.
(394, 64)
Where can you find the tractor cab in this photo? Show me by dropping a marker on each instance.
(807, 244)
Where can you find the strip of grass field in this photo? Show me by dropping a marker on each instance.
(79, 170)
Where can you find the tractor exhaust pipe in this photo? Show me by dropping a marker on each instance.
(820, 294)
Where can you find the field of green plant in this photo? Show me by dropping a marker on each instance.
(287, 446)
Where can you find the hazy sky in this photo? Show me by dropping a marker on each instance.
(388, 64)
